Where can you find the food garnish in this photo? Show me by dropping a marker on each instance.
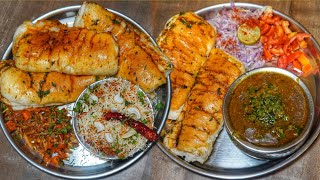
(265, 105)
(144, 130)
(227, 23)
(248, 34)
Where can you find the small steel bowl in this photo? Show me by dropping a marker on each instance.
(76, 123)
(262, 152)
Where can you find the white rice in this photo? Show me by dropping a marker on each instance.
(101, 99)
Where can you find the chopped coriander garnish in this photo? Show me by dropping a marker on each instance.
(144, 121)
(118, 151)
(159, 106)
(62, 131)
(115, 21)
(86, 97)
(55, 144)
(42, 94)
(141, 97)
(78, 107)
(127, 103)
(93, 88)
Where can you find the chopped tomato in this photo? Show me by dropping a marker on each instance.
(296, 36)
(265, 28)
(280, 31)
(282, 62)
(267, 53)
(26, 115)
(49, 145)
(39, 130)
(282, 44)
(276, 51)
(61, 146)
(55, 161)
(297, 65)
(294, 56)
(306, 65)
(11, 126)
(299, 61)
(307, 69)
(303, 59)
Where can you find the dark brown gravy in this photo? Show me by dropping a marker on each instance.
(268, 109)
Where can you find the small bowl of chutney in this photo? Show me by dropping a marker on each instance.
(268, 113)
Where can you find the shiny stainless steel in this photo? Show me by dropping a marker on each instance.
(83, 165)
(268, 152)
(75, 121)
(226, 160)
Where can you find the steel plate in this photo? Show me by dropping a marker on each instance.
(226, 160)
(81, 164)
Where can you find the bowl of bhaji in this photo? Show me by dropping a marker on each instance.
(268, 113)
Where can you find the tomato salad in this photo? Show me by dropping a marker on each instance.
(284, 45)
(257, 37)
(47, 131)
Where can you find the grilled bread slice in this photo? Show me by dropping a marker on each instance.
(48, 46)
(149, 67)
(187, 40)
(20, 89)
(201, 120)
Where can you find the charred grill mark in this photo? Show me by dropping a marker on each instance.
(204, 82)
(80, 41)
(31, 79)
(76, 47)
(50, 52)
(42, 50)
(90, 41)
(178, 132)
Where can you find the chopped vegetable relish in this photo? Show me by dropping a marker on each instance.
(45, 130)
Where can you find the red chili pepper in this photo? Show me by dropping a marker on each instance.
(144, 130)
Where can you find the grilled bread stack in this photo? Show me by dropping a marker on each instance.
(53, 63)
(200, 79)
